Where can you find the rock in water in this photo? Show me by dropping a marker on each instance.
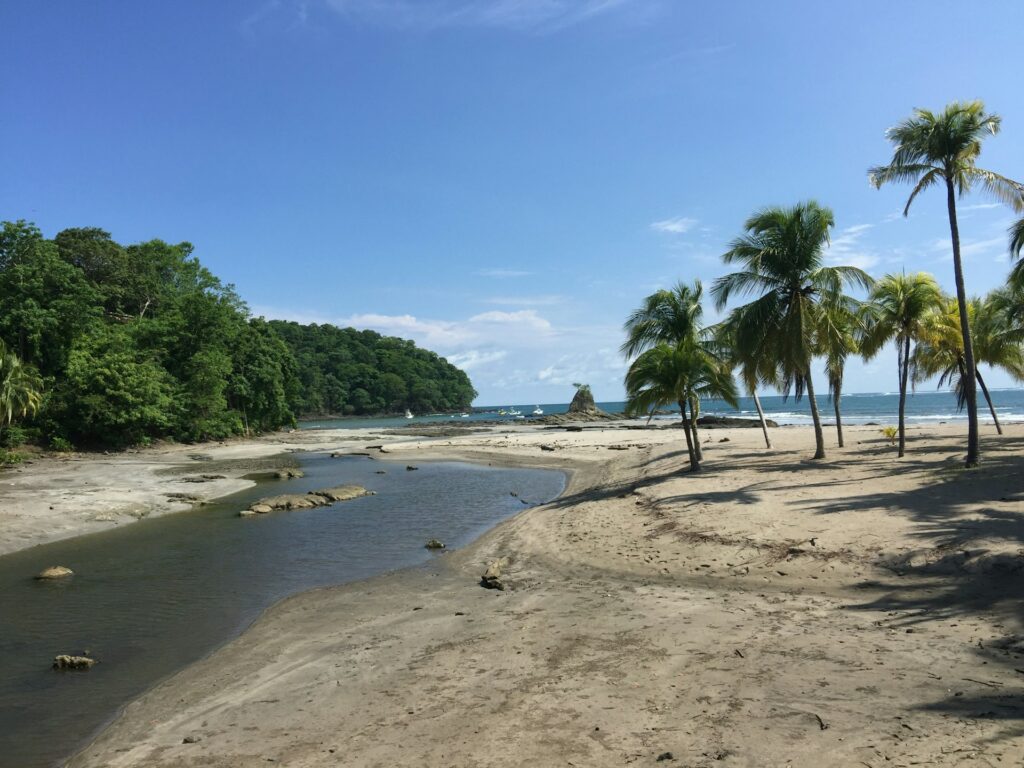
(434, 544)
(288, 474)
(583, 401)
(65, 661)
(55, 572)
(344, 492)
(492, 576)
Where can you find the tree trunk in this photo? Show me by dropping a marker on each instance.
(839, 418)
(988, 399)
(694, 462)
(694, 415)
(760, 415)
(819, 437)
(973, 452)
(903, 360)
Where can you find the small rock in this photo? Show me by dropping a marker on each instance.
(410, 468)
(55, 572)
(380, 472)
(492, 576)
(191, 739)
(434, 544)
(65, 661)
(547, 447)
(724, 440)
(288, 474)
(248, 513)
(665, 756)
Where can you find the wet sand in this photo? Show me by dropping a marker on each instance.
(769, 610)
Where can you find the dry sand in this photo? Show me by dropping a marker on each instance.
(767, 611)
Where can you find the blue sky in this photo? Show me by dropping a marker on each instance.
(500, 180)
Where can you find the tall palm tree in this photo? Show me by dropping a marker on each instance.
(896, 310)
(943, 147)
(996, 343)
(670, 317)
(782, 258)
(20, 388)
(754, 371)
(682, 373)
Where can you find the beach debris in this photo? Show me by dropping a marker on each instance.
(288, 474)
(618, 447)
(665, 756)
(380, 472)
(322, 498)
(546, 447)
(724, 440)
(492, 576)
(410, 468)
(55, 572)
(191, 739)
(434, 544)
(202, 478)
(822, 725)
(67, 661)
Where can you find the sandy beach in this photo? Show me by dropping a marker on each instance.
(767, 611)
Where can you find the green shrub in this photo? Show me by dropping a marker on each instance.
(8, 458)
(12, 437)
(61, 444)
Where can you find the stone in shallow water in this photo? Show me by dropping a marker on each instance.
(55, 572)
(65, 661)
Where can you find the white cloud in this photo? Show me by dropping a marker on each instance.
(675, 226)
(503, 273)
(516, 15)
(475, 358)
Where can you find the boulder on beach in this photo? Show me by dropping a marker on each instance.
(434, 544)
(55, 572)
(66, 661)
(492, 576)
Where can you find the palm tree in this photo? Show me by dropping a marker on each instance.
(754, 371)
(940, 352)
(896, 310)
(682, 373)
(943, 147)
(782, 254)
(670, 317)
(839, 338)
(20, 389)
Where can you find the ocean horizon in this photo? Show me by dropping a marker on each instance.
(856, 408)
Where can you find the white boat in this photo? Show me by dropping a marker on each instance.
(408, 413)
(538, 411)
(463, 415)
(513, 412)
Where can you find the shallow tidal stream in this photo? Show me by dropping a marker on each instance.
(151, 597)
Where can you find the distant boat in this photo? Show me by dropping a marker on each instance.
(502, 412)
(464, 415)
(513, 412)
(408, 413)
(538, 411)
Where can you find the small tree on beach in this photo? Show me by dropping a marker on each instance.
(896, 311)
(839, 337)
(782, 259)
(682, 373)
(755, 370)
(942, 147)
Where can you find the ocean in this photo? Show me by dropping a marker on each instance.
(857, 408)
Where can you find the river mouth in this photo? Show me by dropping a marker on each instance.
(154, 596)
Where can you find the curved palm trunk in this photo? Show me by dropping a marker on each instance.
(819, 437)
(839, 418)
(971, 393)
(695, 412)
(760, 415)
(988, 399)
(694, 461)
(903, 355)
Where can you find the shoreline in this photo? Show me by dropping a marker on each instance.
(759, 594)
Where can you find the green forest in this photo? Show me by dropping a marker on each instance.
(103, 344)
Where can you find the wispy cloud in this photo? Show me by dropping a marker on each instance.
(674, 226)
(846, 249)
(525, 301)
(503, 273)
(517, 15)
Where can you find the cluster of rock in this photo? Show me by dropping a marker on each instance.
(322, 498)
(65, 661)
(54, 572)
